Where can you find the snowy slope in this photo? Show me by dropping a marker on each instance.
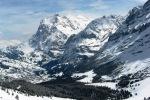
(140, 90)
(9, 94)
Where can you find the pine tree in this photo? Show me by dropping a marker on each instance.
(17, 97)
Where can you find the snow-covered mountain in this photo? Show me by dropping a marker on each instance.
(93, 37)
(23, 60)
(125, 58)
(110, 50)
(54, 31)
(129, 45)
(79, 47)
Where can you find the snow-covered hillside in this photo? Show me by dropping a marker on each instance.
(140, 90)
(8, 94)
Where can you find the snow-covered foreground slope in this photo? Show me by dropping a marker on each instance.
(9, 94)
(140, 90)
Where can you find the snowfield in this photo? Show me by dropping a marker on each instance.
(140, 90)
(88, 76)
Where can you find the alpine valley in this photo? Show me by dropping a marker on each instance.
(79, 58)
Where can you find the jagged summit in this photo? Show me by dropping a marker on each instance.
(54, 31)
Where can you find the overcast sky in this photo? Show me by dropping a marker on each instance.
(19, 19)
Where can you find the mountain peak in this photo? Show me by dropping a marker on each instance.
(92, 38)
(51, 20)
(105, 23)
(54, 31)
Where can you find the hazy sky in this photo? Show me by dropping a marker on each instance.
(19, 19)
